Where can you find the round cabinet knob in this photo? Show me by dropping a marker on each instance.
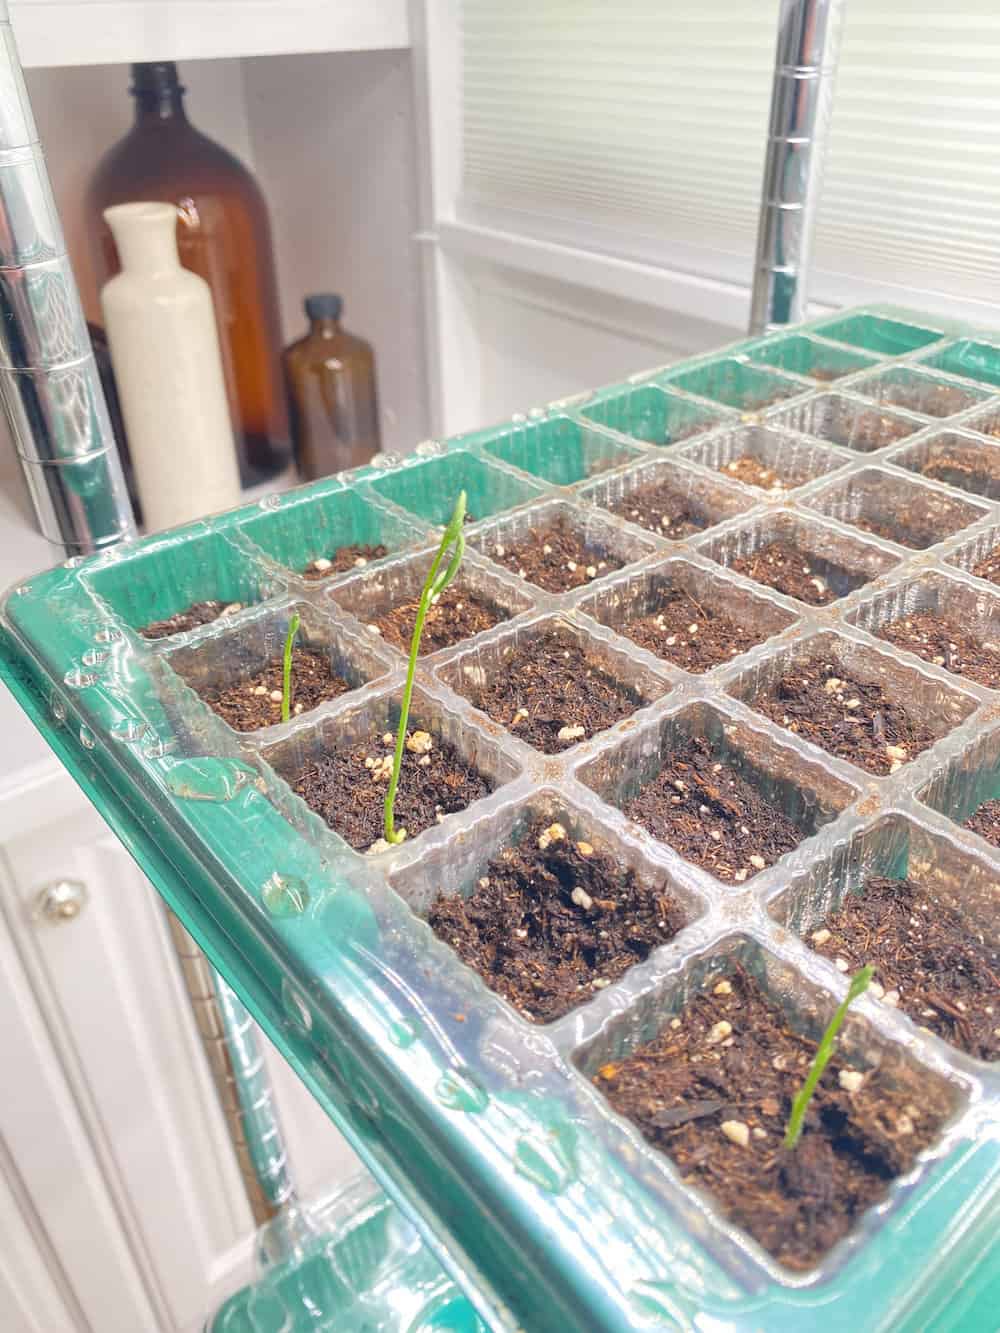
(60, 902)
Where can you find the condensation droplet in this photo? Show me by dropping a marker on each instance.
(22, 590)
(129, 730)
(662, 1300)
(385, 461)
(74, 562)
(295, 1006)
(157, 749)
(95, 657)
(536, 413)
(108, 634)
(87, 738)
(270, 502)
(428, 449)
(403, 1033)
(209, 779)
(58, 709)
(79, 679)
(460, 1090)
(546, 1159)
(285, 895)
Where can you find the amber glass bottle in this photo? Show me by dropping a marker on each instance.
(223, 235)
(332, 398)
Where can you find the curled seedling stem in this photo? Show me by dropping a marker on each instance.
(858, 986)
(453, 541)
(286, 669)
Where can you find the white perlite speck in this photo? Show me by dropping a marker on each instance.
(850, 1079)
(582, 898)
(570, 733)
(736, 1132)
(321, 565)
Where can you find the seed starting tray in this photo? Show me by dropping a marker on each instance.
(552, 1211)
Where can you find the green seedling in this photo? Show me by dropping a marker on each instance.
(286, 670)
(858, 986)
(437, 580)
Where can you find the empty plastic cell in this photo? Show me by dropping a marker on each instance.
(847, 421)
(807, 356)
(905, 386)
(651, 414)
(955, 458)
(979, 555)
(431, 487)
(759, 456)
(557, 449)
(735, 383)
(670, 501)
(876, 333)
(972, 360)
(969, 779)
(896, 509)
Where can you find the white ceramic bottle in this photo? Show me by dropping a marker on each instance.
(165, 351)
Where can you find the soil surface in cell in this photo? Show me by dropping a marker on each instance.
(662, 508)
(930, 961)
(256, 702)
(712, 815)
(933, 399)
(867, 431)
(552, 922)
(552, 694)
(555, 557)
(456, 615)
(198, 613)
(342, 560)
(691, 634)
(752, 472)
(989, 567)
(347, 787)
(920, 521)
(788, 569)
(986, 822)
(714, 1091)
(969, 467)
(856, 721)
(948, 645)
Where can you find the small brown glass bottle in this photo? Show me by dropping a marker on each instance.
(332, 400)
(223, 235)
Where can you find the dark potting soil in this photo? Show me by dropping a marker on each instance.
(752, 472)
(662, 508)
(347, 787)
(934, 400)
(946, 644)
(969, 467)
(869, 431)
(855, 721)
(714, 1092)
(690, 634)
(986, 822)
(198, 613)
(989, 567)
(257, 702)
(930, 961)
(555, 558)
(457, 615)
(921, 521)
(788, 569)
(552, 922)
(712, 815)
(343, 559)
(552, 695)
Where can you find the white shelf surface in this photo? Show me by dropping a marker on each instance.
(99, 32)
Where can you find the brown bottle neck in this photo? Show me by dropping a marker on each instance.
(325, 328)
(157, 108)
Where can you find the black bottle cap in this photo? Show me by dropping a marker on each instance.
(156, 78)
(324, 305)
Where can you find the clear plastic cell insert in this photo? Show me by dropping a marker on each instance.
(497, 1132)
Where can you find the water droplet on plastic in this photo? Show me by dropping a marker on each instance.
(209, 779)
(87, 738)
(662, 1300)
(285, 895)
(460, 1090)
(270, 502)
(58, 709)
(385, 461)
(157, 749)
(536, 413)
(403, 1033)
(74, 562)
(428, 449)
(22, 589)
(295, 1006)
(546, 1159)
(455, 1315)
(79, 679)
(95, 657)
(129, 730)
(108, 634)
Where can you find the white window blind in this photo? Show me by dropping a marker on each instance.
(637, 128)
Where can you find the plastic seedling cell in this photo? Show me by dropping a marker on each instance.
(551, 683)
(651, 414)
(863, 704)
(986, 422)
(847, 421)
(807, 356)
(558, 547)
(428, 488)
(557, 449)
(339, 529)
(905, 386)
(717, 790)
(687, 615)
(957, 459)
(736, 384)
(953, 624)
(769, 460)
(874, 333)
(797, 556)
(238, 671)
(968, 785)
(672, 502)
(896, 509)
(979, 361)
(979, 555)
